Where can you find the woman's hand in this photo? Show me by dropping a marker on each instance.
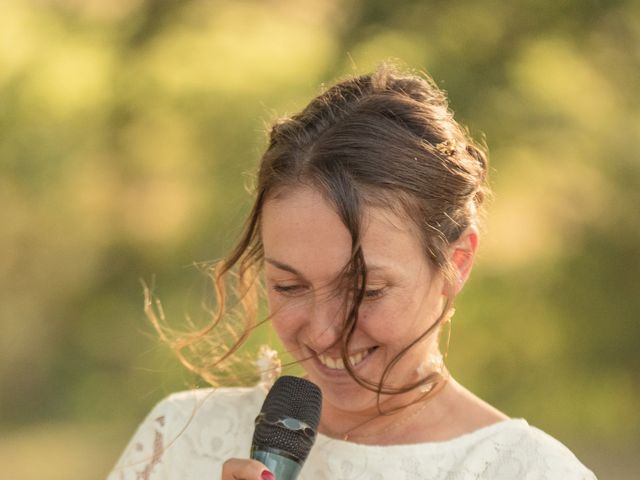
(243, 469)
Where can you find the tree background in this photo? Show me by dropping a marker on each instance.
(129, 128)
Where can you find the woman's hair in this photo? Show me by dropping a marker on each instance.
(386, 139)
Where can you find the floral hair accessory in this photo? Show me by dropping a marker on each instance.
(448, 147)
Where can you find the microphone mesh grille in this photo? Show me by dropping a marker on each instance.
(289, 397)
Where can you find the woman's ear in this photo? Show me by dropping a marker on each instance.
(461, 255)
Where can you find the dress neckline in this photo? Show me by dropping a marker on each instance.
(455, 442)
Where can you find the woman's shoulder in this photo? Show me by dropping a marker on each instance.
(224, 409)
(198, 403)
(509, 448)
(524, 450)
(196, 428)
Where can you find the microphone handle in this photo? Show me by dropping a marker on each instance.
(283, 467)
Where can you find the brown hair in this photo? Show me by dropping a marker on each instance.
(385, 139)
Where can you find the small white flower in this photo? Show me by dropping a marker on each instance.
(269, 366)
(433, 363)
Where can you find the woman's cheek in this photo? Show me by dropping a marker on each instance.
(287, 317)
(378, 319)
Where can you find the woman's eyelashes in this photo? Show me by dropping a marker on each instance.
(294, 290)
(374, 293)
(287, 290)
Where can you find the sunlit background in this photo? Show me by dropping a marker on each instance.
(129, 129)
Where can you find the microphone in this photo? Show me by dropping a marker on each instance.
(286, 426)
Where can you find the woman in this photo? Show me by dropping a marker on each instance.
(365, 227)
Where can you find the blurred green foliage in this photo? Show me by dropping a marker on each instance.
(127, 132)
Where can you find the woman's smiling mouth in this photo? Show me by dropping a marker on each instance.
(334, 363)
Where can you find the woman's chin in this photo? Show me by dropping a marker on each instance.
(351, 407)
(352, 398)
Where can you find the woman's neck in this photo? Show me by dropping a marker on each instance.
(407, 418)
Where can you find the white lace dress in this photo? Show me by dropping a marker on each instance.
(188, 435)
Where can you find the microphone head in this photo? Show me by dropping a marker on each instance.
(289, 418)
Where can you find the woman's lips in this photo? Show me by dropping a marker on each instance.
(336, 364)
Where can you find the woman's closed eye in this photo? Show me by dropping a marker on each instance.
(287, 289)
(291, 290)
(374, 292)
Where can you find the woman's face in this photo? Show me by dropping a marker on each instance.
(306, 246)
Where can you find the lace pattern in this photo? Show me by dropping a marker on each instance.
(188, 435)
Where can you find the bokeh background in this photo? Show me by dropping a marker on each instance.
(130, 128)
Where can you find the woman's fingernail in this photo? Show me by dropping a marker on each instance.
(267, 475)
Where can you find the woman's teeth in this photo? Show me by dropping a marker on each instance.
(338, 364)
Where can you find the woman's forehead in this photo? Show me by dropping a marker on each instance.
(304, 229)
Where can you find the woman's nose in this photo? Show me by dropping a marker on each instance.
(326, 319)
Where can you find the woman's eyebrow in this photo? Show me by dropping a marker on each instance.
(374, 267)
(283, 266)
